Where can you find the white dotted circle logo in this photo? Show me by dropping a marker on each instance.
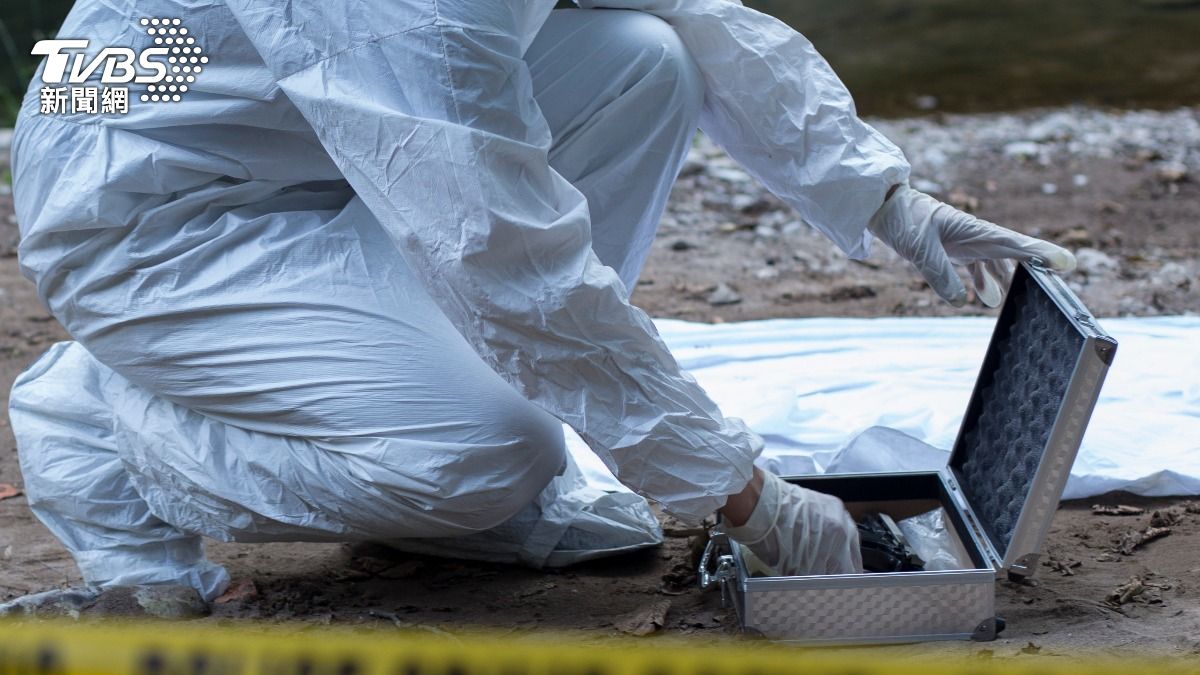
(185, 59)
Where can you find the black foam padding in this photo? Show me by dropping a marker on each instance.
(1020, 390)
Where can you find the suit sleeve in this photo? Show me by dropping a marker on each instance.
(775, 105)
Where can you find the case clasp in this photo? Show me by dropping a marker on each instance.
(724, 568)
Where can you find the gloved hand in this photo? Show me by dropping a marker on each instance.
(798, 531)
(935, 236)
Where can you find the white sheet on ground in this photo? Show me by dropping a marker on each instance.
(812, 386)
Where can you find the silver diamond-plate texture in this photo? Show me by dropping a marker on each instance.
(841, 614)
(1019, 402)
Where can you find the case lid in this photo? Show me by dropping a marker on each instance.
(1035, 392)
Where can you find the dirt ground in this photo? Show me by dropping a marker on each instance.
(727, 252)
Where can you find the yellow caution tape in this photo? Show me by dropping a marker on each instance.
(183, 649)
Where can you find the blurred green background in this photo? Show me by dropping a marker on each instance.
(902, 57)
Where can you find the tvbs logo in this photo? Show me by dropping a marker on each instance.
(166, 69)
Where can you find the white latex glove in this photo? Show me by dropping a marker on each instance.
(799, 532)
(935, 236)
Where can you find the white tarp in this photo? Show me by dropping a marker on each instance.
(812, 386)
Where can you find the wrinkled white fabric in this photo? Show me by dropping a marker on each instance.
(454, 165)
(380, 246)
(935, 237)
(92, 445)
(776, 106)
(796, 531)
(818, 391)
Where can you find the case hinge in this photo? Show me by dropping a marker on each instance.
(964, 507)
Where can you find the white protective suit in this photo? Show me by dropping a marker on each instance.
(349, 285)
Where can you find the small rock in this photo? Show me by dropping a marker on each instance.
(1172, 172)
(766, 273)
(1022, 149)
(794, 227)
(925, 102)
(766, 232)
(731, 175)
(959, 199)
(1166, 517)
(1049, 189)
(1053, 127)
(1173, 274)
(1076, 237)
(745, 202)
(162, 602)
(1079, 180)
(1109, 206)
(137, 602)
(1144, 155)
(682, 245)
(723, 295)
(1095, 263)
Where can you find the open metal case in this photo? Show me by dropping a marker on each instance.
(1022, 429)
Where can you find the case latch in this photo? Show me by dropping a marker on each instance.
(724, 569)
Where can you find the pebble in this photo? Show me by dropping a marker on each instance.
(1049, 136)
(1173, 274)
(794, 227)
(1076, 237)
(1093, 262)
(745, 202)
(926, 102)
(1059, 126)
(723, 295)
(1026, 149)
(1049, 189)
(1172, 172)
(1079, 180)
(731, 175)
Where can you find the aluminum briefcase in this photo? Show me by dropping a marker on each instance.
(1035, 392)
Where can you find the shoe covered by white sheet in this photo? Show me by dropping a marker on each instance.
(797, 531)
(935, 236)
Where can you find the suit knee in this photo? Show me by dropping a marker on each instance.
(667, 61)
(519, 449)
